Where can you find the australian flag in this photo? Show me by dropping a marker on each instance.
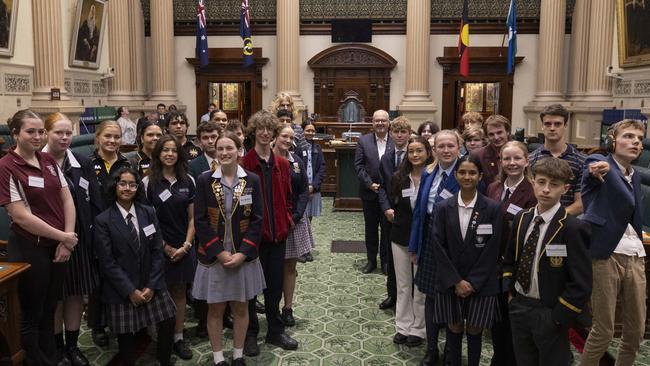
(201, 35)
(245, 33)
(512, 36)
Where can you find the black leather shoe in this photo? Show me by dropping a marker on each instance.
(251, 349)
(76, 357)
(100, 338)
(431, 357)
(259, 307)
(413, 341)
(369, 268)
(238, 362)
(182, 349)
(283, 341)
(63, 361)
(222, 363)
(399, 338)
(384, 269)
(287, 317)
(388, 303)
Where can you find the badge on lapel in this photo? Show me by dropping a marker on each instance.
(247, 210)
(480, 241)
(194, 152)
(296, 168)
(556, 261)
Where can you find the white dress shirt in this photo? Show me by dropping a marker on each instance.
(433, 191)
(381, 145)
(630, 244)
(465, 213)
(131, 211)
(512, 188)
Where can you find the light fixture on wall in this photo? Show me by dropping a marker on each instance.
(265, 83)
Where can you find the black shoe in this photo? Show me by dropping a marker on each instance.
(287, 317)
(370, 267)
(431, 357)
(239, 362)
(283, 341)
(384, 269)
(100, 338)
(309, 257)
(222, 363)
(399, 338)
(388, 303)
(76, 357)
(251, 349)
(413, 341)
(63, 361)
(182, 349)
(259, 307)
(228, 321)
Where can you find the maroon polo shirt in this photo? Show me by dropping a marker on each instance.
(38, 188)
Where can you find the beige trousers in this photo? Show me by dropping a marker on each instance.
(409, 309)
(624, 276)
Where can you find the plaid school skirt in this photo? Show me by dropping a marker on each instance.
(478, 311)
(128, 318)
(300, 240)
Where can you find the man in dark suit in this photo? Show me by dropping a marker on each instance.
(207, 134)
(497, 129)
(611, 195)
(400, 131)
(370, 149)
(547, 271)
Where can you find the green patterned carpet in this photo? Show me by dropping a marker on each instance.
(336, 309)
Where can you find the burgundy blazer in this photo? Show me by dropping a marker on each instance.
(489, 157)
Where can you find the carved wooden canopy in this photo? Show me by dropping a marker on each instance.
(346, 68)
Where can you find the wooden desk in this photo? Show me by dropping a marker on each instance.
(347, 183)
(10, 313)
(336, 129)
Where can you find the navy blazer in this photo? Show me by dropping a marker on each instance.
(366, 164)
(386, 170)
(299, 188)
(473, 259)
(610, 206)
(420, 210)
(198, 165)
(318, 168)
(400, 228)
(123, 266)
(564, 282)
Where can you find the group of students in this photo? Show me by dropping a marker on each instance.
(490, 239)
(133, 235)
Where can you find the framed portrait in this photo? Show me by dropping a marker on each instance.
(230, 96)
(633, 34)
(88, 34)
(474, 97)
(8, 16)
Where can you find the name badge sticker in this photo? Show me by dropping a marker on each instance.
(38, 182)
(164, 195)
(556, 250)
(407, 193)
(445, 194)
(513, 209)
(484, 229)
(304, 153)
(149, 230)
(246, 199)
(83, 183)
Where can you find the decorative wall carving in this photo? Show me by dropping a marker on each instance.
(642, 87)
(351, 57)
(17, 83)
(67, 84)
(82, 88)
(623, 87)
(99, 88)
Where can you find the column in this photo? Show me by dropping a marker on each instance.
(600, 50)
(288, 40)
(137, 54)
(416, 103)
(579, 49)
(119, 50)
(48, 49)
(162, 51)
(551, 44)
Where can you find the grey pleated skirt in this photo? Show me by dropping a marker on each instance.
(216, 284)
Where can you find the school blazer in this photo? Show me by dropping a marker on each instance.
(473, 259)
(318, 167)
(489, 157)
(400, 228)
(564, 282)
(386, 170)
(87, 202)
(299, 188)
(609, 206)
(523, 196)
(198, 166)
(420, 210)
(366, 164)
(123, 266)
(209, 217)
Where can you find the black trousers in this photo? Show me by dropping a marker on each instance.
(432, 328)
(375, 221)
(127, 344)
(39, 289)
(391, 280)
(504, 353)
(537, 340)
(272, 259)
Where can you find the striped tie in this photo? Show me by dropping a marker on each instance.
(135, 237)
(525, 267)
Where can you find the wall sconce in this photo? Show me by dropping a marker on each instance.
(265, 83)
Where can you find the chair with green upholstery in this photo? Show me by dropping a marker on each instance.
(83, 144)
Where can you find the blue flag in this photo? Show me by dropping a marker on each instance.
(512, 36)
(245, 33)
(201, 35)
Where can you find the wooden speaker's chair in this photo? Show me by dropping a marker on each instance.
(351, 109)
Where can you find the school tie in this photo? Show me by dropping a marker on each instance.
(505, 198)
(441, 187)
(528, 255)
(135, 237)
(398, 158)
(213, 165)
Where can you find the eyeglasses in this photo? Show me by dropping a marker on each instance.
(220, 119)
(124, 185)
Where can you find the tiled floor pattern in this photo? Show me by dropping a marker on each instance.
(338, 321)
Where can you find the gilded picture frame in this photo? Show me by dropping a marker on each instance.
(8, 17)
(633, 36)
(88, 29)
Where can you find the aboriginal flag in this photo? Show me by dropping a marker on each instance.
(463, 42)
